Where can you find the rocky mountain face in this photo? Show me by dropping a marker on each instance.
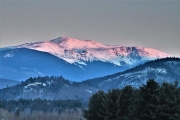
(73, 59)
(161, 70)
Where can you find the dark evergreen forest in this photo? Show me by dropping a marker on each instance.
(151, 101)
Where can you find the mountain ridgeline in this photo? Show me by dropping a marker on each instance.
(161, 70)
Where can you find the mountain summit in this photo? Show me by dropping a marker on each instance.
(71, 43)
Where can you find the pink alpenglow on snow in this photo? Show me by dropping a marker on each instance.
(71, 43)
(79, 51)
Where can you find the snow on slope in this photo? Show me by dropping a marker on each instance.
(162, 70)
(80, 51)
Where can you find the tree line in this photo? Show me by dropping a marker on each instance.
(152, 101)
(46, 106)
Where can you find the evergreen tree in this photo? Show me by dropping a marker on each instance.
(95, 109)
(169, 102)
(110, 104)
(125, 100)
(146, 105)
(133, 107)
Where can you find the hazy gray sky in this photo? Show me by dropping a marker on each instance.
(146, 23)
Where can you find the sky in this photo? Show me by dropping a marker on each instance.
(146, 23)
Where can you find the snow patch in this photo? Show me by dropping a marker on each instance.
(8, 55)
(89, 91)
(50, 82)
(35, 84)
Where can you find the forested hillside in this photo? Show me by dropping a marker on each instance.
(166, 69)
(50, 88)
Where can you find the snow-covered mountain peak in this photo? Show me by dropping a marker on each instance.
(60, 40)
(80, 51)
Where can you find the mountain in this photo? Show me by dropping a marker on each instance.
(21, 63)
(80, 51)
(74, 59)
(161, 70)
(7, 83)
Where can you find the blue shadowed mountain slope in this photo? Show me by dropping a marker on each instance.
(21, 63)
